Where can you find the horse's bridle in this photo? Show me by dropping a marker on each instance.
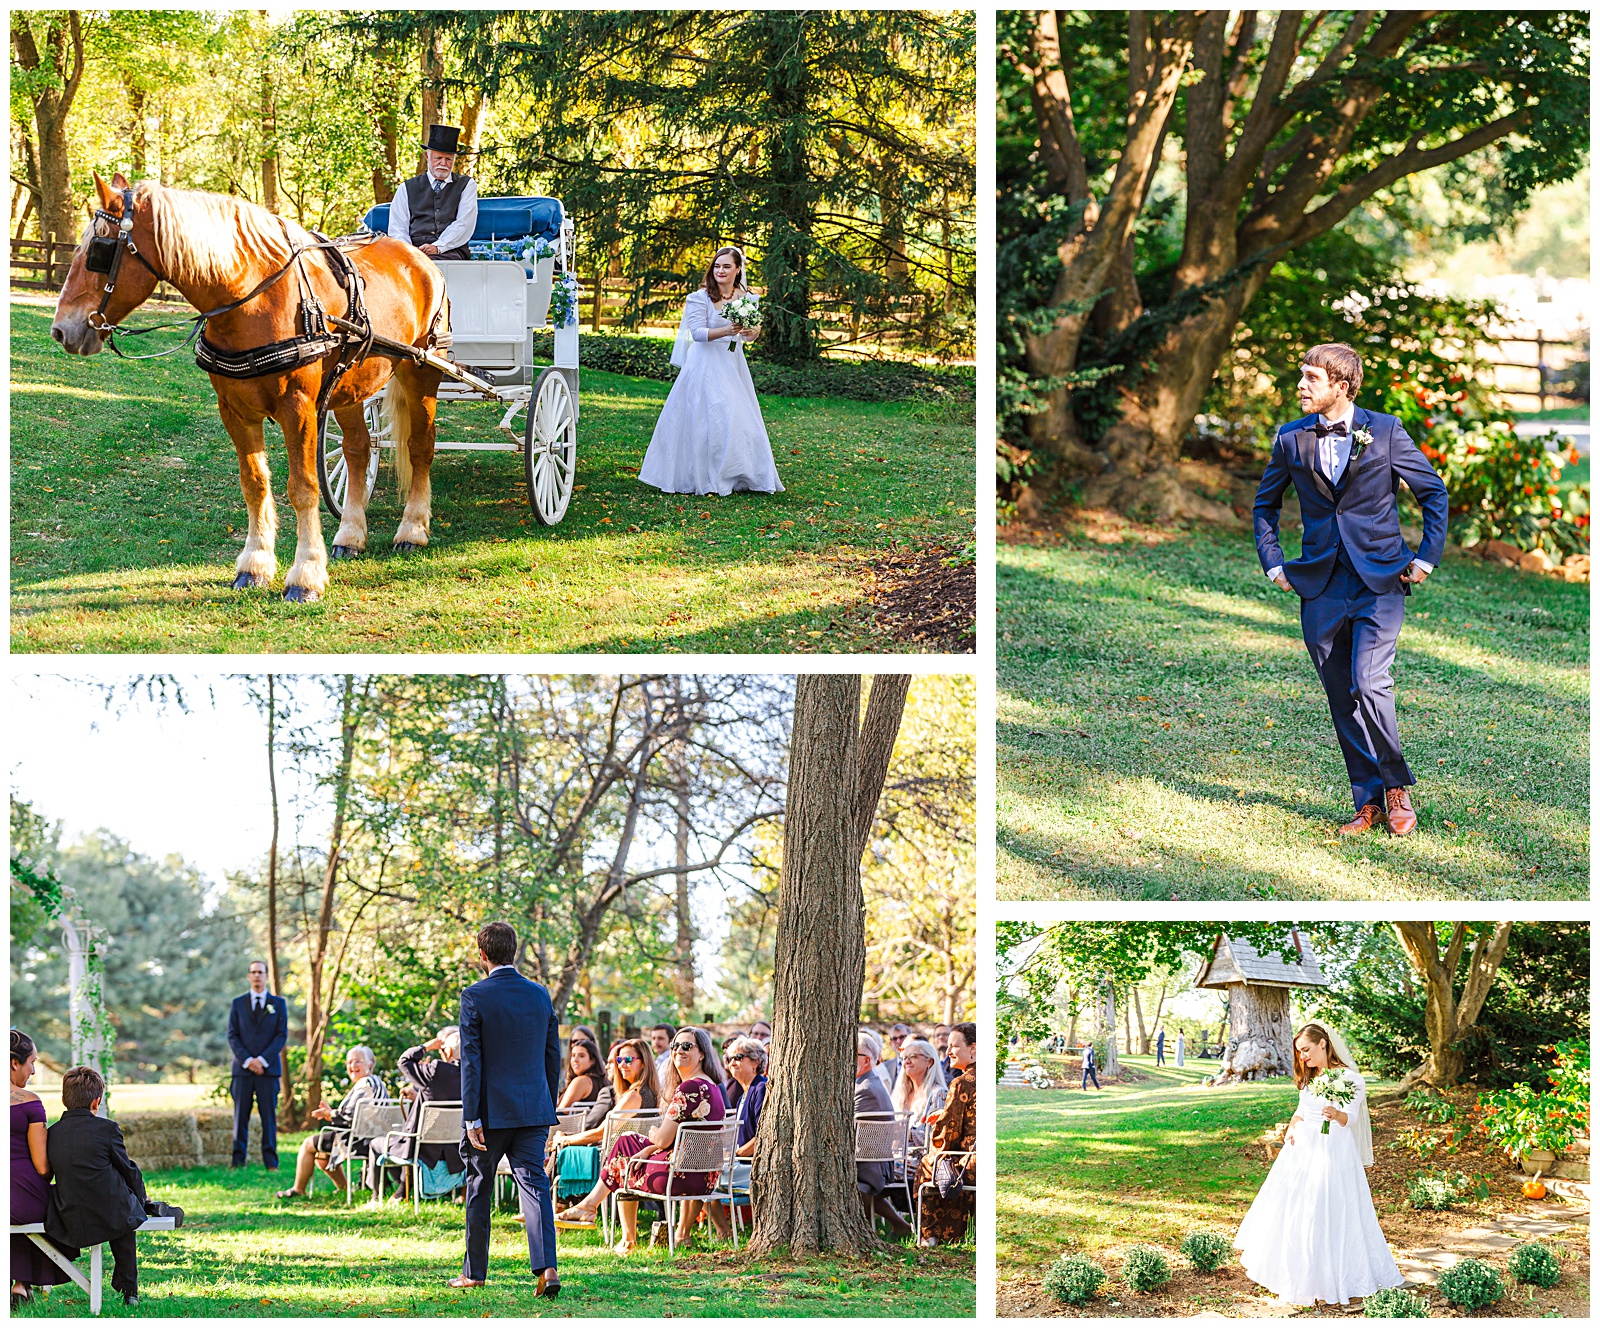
(103, 256)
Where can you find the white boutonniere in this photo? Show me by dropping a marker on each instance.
(1360, 440)
(270, 1009)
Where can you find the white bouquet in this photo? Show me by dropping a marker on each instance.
(1336, 1087)
(744, 312)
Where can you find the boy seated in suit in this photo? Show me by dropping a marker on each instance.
(98, 1195)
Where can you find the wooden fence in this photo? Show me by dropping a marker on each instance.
(43, 264)
(1539, 366)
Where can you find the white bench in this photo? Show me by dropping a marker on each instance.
(34, 1231)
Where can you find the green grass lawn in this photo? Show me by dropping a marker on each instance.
(126, 518)
(1161, 732)
(241, 1253)
(1150, 1161)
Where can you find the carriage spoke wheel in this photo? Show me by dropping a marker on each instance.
(333, 474)
(550, 449)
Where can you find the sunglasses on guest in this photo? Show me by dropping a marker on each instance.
(627, 1060)
(686, 1046)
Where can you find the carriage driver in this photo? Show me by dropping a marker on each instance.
(438, 210)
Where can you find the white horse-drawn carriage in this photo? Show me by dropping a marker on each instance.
(496, 306)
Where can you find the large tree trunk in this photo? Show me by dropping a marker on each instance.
(1106, 1027)
(320, 1004)
(683, 950)
(57, 74)
(386, 120)
(471, 132)
(274, 974)
(269, 137)
(432, 77)
(138, 148)
(1260, 1035)
(1447, 1016)
(804, 1175)
(780, 52)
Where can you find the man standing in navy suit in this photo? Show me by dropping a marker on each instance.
(510, 1064)
(1354, 569)
(258, 1027)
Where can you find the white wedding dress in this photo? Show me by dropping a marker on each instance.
(710, 437)
(1312, 1233)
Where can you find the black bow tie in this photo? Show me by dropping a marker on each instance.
(1324, 429)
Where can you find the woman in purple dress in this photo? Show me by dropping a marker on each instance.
(693, 1085)
(30, 1266)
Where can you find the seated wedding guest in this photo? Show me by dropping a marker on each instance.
(897, 1039)
(30, 1171)
(693, 1089)
(632, 1089)
(954, 1132)
(583, 1074)
(880, 1067)
(661, 1044)
(872, 1100)
(426, 1080)
(761, 1031)
(98, 1196)
(586, 1033)
(920, 1089)
(746, 1061)
(941, 1044)
(327, 1149)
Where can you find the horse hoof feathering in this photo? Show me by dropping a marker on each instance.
(259, 275)
(343, 553)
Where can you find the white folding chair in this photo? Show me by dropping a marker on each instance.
(875, 1142)
(616, 1124)
(696, 1149)
(928, 1184)
(368, 1121)
(725, 1192)
(905, 1123)
(569, 1120)
(437, 1123)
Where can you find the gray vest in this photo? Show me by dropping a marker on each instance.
(431, 212)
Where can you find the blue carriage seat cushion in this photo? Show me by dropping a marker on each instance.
(498, 219)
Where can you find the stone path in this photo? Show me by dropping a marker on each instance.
(1499, 1236)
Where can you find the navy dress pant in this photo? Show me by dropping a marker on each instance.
(523, 1148)
(1351, 633)
(261, 1089)
(1088, 1074)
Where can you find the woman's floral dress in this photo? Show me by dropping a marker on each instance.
(697, 1102)
(955, 1130)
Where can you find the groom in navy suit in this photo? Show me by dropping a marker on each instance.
(258, 1027)
(510, 1065)
(1354, 569)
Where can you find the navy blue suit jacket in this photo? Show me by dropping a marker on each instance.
(510, 1052)
(1360, 512)
(251, 1034)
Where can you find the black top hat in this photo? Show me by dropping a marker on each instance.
(443, 138)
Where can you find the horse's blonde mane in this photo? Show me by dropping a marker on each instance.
(202, 237)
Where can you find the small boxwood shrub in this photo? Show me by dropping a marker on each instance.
(1394, 1303)
(1144, 1269)
(1073, 1279)
(1206, 1250)
(1534, 1263)
(1433, 1192)
(1471, 1284)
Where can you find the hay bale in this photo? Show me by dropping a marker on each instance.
(161, 1140)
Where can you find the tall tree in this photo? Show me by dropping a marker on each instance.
(49, 53)
(804, 1175)
(1288, 123)
(1451, 1014)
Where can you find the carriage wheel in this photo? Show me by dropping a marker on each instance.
(550, 448)
(333, 475)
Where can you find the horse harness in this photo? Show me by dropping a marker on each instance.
(352, 336)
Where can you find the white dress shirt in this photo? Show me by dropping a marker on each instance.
(1333, 454)
(456, 234)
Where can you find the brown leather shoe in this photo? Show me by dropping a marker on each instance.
(463, 1283)
(1402, 820)
(1365, 819)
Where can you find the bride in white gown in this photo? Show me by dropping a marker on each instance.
(1312, 1233)
(710, 437)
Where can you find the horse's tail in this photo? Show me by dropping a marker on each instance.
(394, 414)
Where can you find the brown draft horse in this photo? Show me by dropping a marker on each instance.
(216, 249)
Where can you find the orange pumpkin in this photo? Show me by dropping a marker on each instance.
(1534, 1189)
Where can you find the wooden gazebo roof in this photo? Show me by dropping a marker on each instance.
(1234, 961)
